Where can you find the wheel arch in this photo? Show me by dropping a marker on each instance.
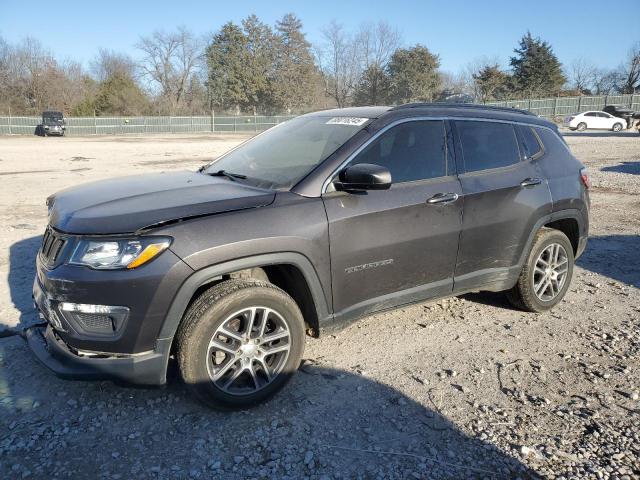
(290, 271)
(571, 222)
(570, 227)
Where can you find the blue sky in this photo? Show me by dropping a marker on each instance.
(458, 31)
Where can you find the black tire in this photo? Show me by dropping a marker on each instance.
(616, 127)
(581, 127)
(522, 295)
(208, 313)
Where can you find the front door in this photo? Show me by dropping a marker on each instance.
(399, 245)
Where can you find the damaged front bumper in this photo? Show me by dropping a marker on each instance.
(66, 361)
(148, 368)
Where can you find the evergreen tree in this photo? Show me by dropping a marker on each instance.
(373, 87)
(413, 73)
(536, 69)
(295, 70)
(120, 95)
(492, 83)
(226, 60)
(259, 63)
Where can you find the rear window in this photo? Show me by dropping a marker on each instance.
(530, 143)
(487, 145)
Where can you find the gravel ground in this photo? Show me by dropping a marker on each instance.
(461, 388)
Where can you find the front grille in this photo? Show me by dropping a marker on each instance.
(52, 245)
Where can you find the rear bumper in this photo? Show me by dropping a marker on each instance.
(148, 368)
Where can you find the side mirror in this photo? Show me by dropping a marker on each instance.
(364, 176)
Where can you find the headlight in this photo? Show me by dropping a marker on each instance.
(118, 253)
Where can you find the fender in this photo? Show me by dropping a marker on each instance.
(208, 274)
(552, 217)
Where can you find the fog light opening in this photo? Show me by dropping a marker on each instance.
(95, 319)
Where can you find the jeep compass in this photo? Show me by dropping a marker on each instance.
(316, 222)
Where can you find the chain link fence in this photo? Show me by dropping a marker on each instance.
(561, 106)
(11, 125)
(545, 107)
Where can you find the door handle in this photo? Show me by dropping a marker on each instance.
(530, 182)
(442, 198)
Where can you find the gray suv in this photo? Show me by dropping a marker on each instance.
(321, 220)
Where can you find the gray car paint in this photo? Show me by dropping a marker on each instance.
(292, 223)
(499, 215)
(219, 226)
(127, 204)
(398, 224)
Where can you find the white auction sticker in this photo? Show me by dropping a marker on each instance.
(347, 121)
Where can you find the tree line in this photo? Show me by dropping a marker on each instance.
(254, 67)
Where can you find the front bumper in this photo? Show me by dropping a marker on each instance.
(54, 131)
(134, 353)
(147, 368)
(146, 291)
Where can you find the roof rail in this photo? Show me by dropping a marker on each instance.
(471, 106)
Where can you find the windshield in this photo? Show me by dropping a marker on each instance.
(285, 154)
(52, 119)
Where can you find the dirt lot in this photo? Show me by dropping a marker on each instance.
(462, 388)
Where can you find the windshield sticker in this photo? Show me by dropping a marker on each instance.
(355, 121)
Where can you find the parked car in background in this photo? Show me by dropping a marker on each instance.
(52, 124)
(594, 120)
(621, 112)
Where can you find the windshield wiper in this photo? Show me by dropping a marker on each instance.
(229, 175)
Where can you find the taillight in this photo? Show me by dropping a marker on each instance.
(585, 178)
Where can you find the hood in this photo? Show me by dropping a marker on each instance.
(127, 204)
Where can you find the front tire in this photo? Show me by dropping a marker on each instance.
(546, 274)
(239, 343)
(616, 127)
(581, 127)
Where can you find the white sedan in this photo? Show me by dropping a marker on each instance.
(601, 120)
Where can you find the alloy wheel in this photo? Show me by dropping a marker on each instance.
(248, 350)
(550, 272)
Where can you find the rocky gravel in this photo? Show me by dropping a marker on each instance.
(463, 388)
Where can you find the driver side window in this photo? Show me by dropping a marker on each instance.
(411, 151)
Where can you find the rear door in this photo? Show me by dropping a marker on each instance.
(399, 245)
(504, 196)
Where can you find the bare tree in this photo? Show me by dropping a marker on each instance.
(581, 75)
(31, 65)
(108, 63)
(375, 43)
(604, 81)
(170, 62)
(453, 82)
(339, 63)
(630, 71)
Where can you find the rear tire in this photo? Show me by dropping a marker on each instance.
(547, 273)
(581, 127)
(223, 343)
